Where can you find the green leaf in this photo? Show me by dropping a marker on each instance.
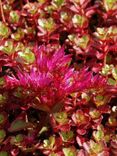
(94, 113)
(19, 138)
(112, 121)
(105, 70)
(4, 153)
(114, 73)
(28, 56)
(41, 1)
(2, 98)
(58, 2)
(96, 147)
(8, 47)
(66, 136)
(79, 20)
(47, 24)
(18, 125)
(110, 4)
(98, 135)
(2, 81)
(19, 46)
(44, 129)
(14, 17)
(2, 134)
(1, 118)
(82, 42)
(64, 15)
(99, 98)
(71, 37)
(49, 143)
(111, 81)
(106, 33)
(53, 154)
(70, 151)
(4, 30)
(61, 117)
(17, 36)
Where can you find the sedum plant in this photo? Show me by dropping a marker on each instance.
(58, 78)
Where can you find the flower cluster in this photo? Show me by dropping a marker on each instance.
(58, 77)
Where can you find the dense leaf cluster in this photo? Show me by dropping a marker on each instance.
(58, 77)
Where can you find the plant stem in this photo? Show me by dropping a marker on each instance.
(2, 12)
(27, 1)
(105, 52)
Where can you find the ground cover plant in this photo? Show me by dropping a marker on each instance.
(58, 77)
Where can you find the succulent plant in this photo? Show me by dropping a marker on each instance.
(58, 77)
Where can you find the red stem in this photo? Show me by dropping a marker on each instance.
(27, 1)
(2, 12)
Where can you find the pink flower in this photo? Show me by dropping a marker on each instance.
(50, 78)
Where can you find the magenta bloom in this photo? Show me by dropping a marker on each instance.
(49, 80)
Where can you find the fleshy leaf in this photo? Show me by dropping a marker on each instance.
(105, 70)
(114, 73)
(47, 24)
(100, 100)
(112, 121)
(2, 99)
(3, 153)
(58, 3)
(111, 81)
(67, 136)
(85, 96)
(98, 135)
(2, 134)
(19, 138)
(70, 151)
(49, 143)
(14, 17)
(61, 117)
(18, 35)
(79, 20)
(4, 30)
(1, 118)
(28, 56)
(7, 47)
(83, 41)
(110, 5)
(94, 113)
(2, 81)
(18, 125)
